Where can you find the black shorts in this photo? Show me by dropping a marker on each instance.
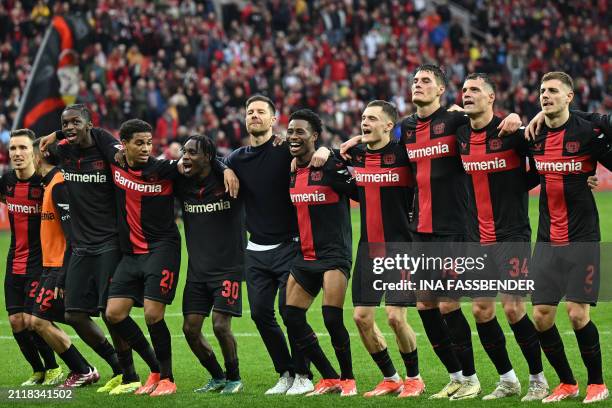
(505, 264)
(87, 281)
(439, 247)
(152, 276)
(309, 274)
(369, 286)
(224, 296)
(48, 307)
(570, 271)
(20, 292)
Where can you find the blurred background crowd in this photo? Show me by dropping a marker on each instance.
(189, 66)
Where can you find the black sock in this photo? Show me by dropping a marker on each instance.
(45, 351)
(74, 360)
(306, 340)
(162, 344)
(126, 361)
(494, 342)
(232, 371)
(527, 338)
(212, 365)
(384, 363)
(590, 351)
(28, 349)
(340, 339)
(461, 336)
(552, 345)
(411, 361)
(437, 333)
(108, 353)
(131, 333)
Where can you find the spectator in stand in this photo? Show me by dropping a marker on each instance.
(180, 64)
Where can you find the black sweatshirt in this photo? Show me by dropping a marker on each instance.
(264, 184)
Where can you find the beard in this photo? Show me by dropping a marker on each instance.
(257, 132)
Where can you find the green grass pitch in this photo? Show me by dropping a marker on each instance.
(258, 374)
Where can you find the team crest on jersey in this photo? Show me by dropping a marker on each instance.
(389, 158)
(316, 175)
(572, 147)
(438, 129)
(98, 164)
(495, 144)
(36, 192)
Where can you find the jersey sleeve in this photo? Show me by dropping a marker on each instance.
(106, 143)
(179, 187)
(167, 169)
(521, 145)
(601, 121)
(532, 177)
(459, 119)
(606, 159)
(341, 179)
(220, 165)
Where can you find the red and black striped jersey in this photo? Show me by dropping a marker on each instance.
(145, 200)
(215, 233)
(440, 194)
(90, 190)
(497, 183)
(385, 185)
(564, 158)
(24, 203)
(321, 199)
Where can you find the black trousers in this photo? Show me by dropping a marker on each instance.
(266, 273)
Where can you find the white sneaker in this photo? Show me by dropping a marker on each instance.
(504, 389)
(301, 385)
(284, 383)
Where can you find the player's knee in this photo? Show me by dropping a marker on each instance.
(514, 311)
(114, 316)
(424, 305)
(38, 325)
(543, 318)
(449, 307)
(364, 321)
(578, 316)
(221, 328)
(17, 322)
(152, 317)
(191, 331)
(483, 312)
(396, 321)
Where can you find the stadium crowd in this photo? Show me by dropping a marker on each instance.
(184, 68)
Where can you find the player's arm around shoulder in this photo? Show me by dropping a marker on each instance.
(340, 178)
(108, 145)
